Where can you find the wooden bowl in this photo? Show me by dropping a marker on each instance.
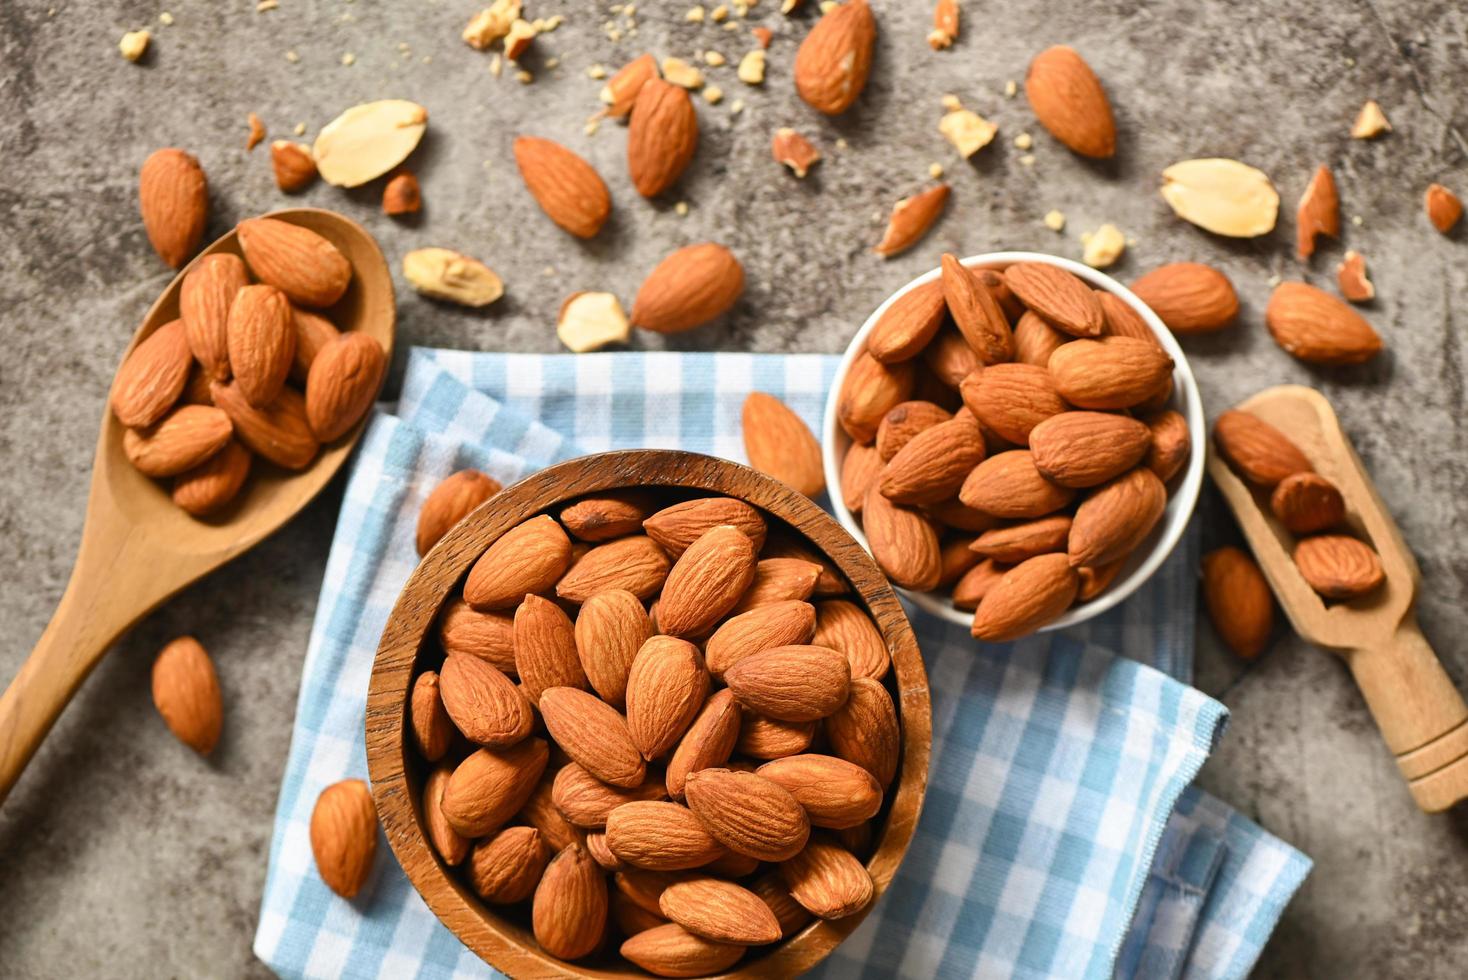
(397, 773)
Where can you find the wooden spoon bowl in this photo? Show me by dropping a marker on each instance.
(139, 547)
(409, 646)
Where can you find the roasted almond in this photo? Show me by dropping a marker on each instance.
(791, 683)
(620, 91)
(151, 379)
(343, 383)
(665, 691)
(545, 648)
(279, 431)
(1262, 454)
(186, 694)
(490, 636)
(970, 590)
(1319, 212)
(506, 868)
(845, 627)
(870, 390)
(779, 580)
(1016, 542)
(721, 911)
(313, 332)
(484, 704)
(1027, 597)
(204, 300)
(1352, 279)
(262, 342)
(428, 719)
(1238, 600)
(950, 359)
(1190, 297)
(607, 516)
(530, 557)
(491, 785)
(610, 628)
(832, 63)
(777, 624)
(567, 188)
(1314, 326)
(1122, 320)
(902, 424)
(860, 469)
(209, 487)
(1307, 502)
(865, 730)
(788, 912)
(594, 734)
(831, 581)
(540, 811)
(769, 738)
(1062, 299)
(1011, 399)
(708, 741)
(1109, 372)
(933, 464)
(780, 444)
(296, 260)
(632, 919)
(569, 912)
(292, 164)
(706, 582)
(902, 541)
(1010, 485)
(455, 497)
(908, 324)
(910, 220)
(976, 312)
(747, 813)
(1171, 444)
(1338, 566)
(1085, 449)
(635, 564)
(1069, 101)
(828, 880)
(957, 557)
(180, 441)
(1442, 206)
(689, 288)
(596, 846)
(660, 836)
(678, 526)
(835, 793)
(586, 801)
(672, 951)
(344, 836)
(1095, 581)
(173, 196)
(447, 842)
(661, 136)
(1116, 517)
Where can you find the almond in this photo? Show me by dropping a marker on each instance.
(846, 628)
(1319, 212)
(976, 312)
(1027, 597)
(1223, 196)
(708, 742)
(672, 951)
(569, 913)
(1035, 340)
(1011, 399)
(490, 636)
(661, 137)
(261, 339)
(903, 542)
(596, 846)
(864, 731)
(401, 194)
(1063, 300)
(770, 738)
(507, 867)
(530, 557)
(1352, 279)
(181, 440)
(586, 801)
(665, 691)
(902, 424)
(1069, 101)
(835, 793)
(151, 379)
(777, 624)
(1117, 516)
(344, 836)
(1084, 449)
(592, 733)
(1261, 453)
(828, 880)
(209, 487)
(173, 196)
(1017, 542)
(975, 583)
(1122, 320)
(632, 919)
(908, 324)
(1238, 600)
(831, 581)
(297, 261)
(484, 704)
(540, 811)
(792, 149)
(1307, 502)
(367, 141)
(869, 391)
(635, 564)
(780, 444)
(660, 837)
(454, 499)
(545, 648)
(610, 628)
(721, 911)
(208, 291)
(1338, 566)
(788, 912)
(791, 683)
(678, 526)
(778, 580)
(832, 63)
(950, 358)
(1171, 444)
(910, 220)
(448, 275)
(612, 515)
(313, 332)
(621, 90)
(1442, 206)
(344, 380)
(567, 188)
(428, 719)
(706, 582)
(491, 785)
(293, 166)
(1189, 297)
(1094, 581)
(1109, 372)
(932, 466)
(748, 814)
(645, 888)
(1316, 327)
(446, 841)
(1010, 485)
(688, 288)
(279, 432)
(186, 694)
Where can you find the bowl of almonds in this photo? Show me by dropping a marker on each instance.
(648, 712)
(1014, 437)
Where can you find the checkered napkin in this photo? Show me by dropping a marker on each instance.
(1059, 837)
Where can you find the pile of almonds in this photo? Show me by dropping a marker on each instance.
(202, 393)
(652, 720)
(1011, 440)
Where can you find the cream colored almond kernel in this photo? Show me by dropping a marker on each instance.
(1223, 196)
(491, 24)
(446, 274)
(134, 44)
(591, 321)
(968, 131)
(1103, 246)
(1055, 221)
(680, 72)
(752, 67)
(368, 140)
(1370, 122)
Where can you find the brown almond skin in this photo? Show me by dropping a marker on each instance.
(1069, 101)
(545, 648)
(455, 497)
(909, 324)
(678, 526)
(151, 379)
(209, 487)
(630, 918)
(788, 912)
(689, 288)
(297, 261)
(976, 312)
(769, 738)
(204, 300)
(173, 196)
(828, 880)
(865, 730)
(491, 785)
(660, 836)
(1314, 326)
(180, 441)
(911, 219)
(950, 358)
(186, 694)
(870, 390)
(1085, 449)
(845, 627)
(344, 380)
(1172, 443)
(1122, 320)
(1338, 566)
(669, 950)
(708, 741)
(313, 332)
(1116, 517)
(506, 868)
(635, 564)
(1010, 485)
(1262, 454)
(792, 683)
(540, 811)
(706, 582)
(835, 793)
(610, 628)
(779, 580)
(748, 814)
(279, 432)
(1017, 542)
(903, 541)
(596, 846)
(832, 63)
(1010, 400)
(428, 719)
(1189, 297)
(607, 516)
(779, 443)
(905, 422)
(530, 557)
(721, 911)
(594, 734)
(1109, 372)
(1035, 340)
(1239, 601)
(490, 636)
(934, 463)
(662, 136)
(970, 590)
(567, 188)
(1307, 502)
(1095, 581)
(775, 625)
(1027, 597)
(569, 912)
(665, 691)
(344, 836)
(1061, 298)
(261, 338)
(626, 83)
(484, 704)
(586, 801)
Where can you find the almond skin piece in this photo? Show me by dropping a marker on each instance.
(791, 683)
(678, 526)
(295, 260)
(748, 814)
(1239, 601)
(869, 391)
(665, 691)
(344, 836)
(660, 836)
(908, 324)
(1338, 566)
(903, 542)
(706, 582)
(1442, 206)
(688, 288)
(279, 432)
(970, 590)
(1109, 372)
(173, 196)
(204, 300)
(1314, 326)
(1011, 399)
(151, 379)
(1069, 101)
(610, 628)
(1027, 597)
(903, 423)
(721, 911)
(182, 440)
(1307, 502)
(1189, 297)
(313, 332)
(910, 220)
(865, 731)
(344, 380)
(1319, 212)
(567, 188)
(455, 497)
(569, 912)
(779, 580)
(428, 719)
(1262, 454)
(835, 793)
(507, 867)
(491, 785)
(1171, 444)
(832, 63)
(845, 627)
(490, 636)
(545, 648)
(770, 738)
(530, 557)
(635, 564)
(292, 164)
(484, 704)
(209, 487)
(1116, 518)
(828, 880)
(1017, 542)
(1063, 300)
(976, 312)
(1010, 485)
(186, 694)
(594, 734)
(602, 518)
(661, 136)
(708, 742)
(780, 444)
(586, 801)
(262, 342)
(672, 951)
(1085, 449)
(932, 466)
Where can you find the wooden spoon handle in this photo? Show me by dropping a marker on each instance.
(1420, 713)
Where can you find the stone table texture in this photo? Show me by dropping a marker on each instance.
(122, 854)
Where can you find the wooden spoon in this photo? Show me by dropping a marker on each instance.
(139, 548)
(1421, 715)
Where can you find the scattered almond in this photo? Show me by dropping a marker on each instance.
(1189, 297)
(832, 63)
(1442, 206)
(173, 196)
(445, 274)
(661, 137)
(1352, 279)
(1370, 122)
(186, 694)
(1069, 101)
(1223, 196)
(911, 218)
(1314, 326)
(402, 195)
(780, 444)
(690, 287)
(368, 140)
(344, 836)
(455, 497)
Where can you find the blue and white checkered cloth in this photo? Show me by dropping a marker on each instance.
(1059, 837)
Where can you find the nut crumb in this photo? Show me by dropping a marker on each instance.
(719, 14)
(680, 72)
(694, 15)
(1028, 160)
(752, 67)
(496, 65)
(951, 103)
(300, 129)
(828, 5)
(517, 41)
(292, 57)
(713, 95)
(134, 44)
(682, 208)
(597, 72)
(794, 151)
(763, 35)
(550, 63)
(736, 107)
(1024, 141)
(935, 170)
(524, 77)
(713, 59)
(1370, 122)
(1054, 220)
(592, 124)
(1103, 246)
(166, 19)
(1011, 89)
(968, 131)
(1357, 220)
(257, 132)
(349, 59)
(265, 5)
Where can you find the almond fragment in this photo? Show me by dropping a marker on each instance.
(209, 487)
(173, 196)
(402, 195)
(445, 274)
(903, 542)
(1307, 502)
(151, 379)
(690, 287)
(294, 259)
(1223, 196)
(1310, 324)
(832, 63)
(591, 321)
(1443, 207)
(186, 694)
(1261, 453)
(1116, 518)
(748, 814)
(828, 880)
(1351, 277)
(491, 24)
(671, 951)
(968, 131)
(1189, 297)
(661, 137)
(1319, 212)
(910, 220)
(1103, 246)
(293, 166)
(1027, 597)
(279, 431)
(208, 292)
(751, 69)
(455, 497)
(780, 444)
(945, 25)
(1370, 122)
(344, 836)
(794, 151)
(621, 90)
(1069, 101)
(569, 912)
(368, 140)
(507, 867)
(518, 40)
(1338, 566)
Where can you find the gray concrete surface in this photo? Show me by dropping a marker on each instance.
(123, 855)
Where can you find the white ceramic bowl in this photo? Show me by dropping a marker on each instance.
(1150, 555)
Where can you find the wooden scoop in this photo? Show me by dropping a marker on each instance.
(1420, 714)
(139, 548)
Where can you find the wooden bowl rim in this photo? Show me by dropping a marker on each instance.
(414, 614)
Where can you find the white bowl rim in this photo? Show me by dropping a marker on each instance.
(1180, 504)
